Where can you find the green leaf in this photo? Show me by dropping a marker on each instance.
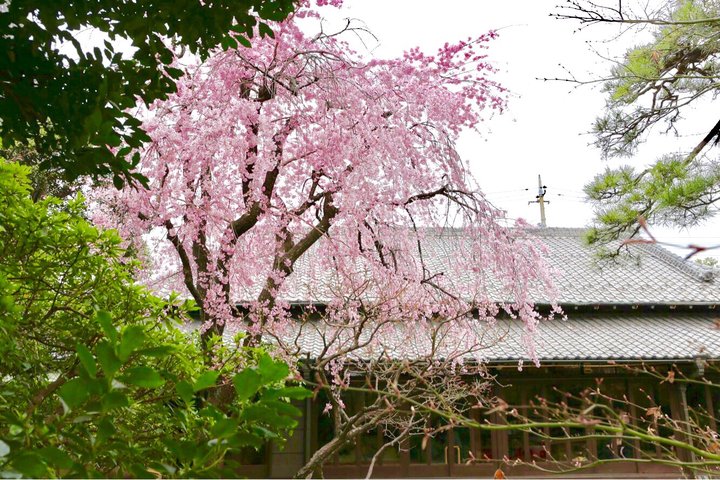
(31, 465)
(105, 430)
(142, 136)
(224, 428)
(185, 390)
(107, 358)
(261, 413)
(283, 408)
(93, 121)
(184, 450)
(244, 41)
(264, 29)
(75, 392)
(247, 383)
(244, 439)
(206, 380)
(138, 470)
(158, 352)
(272, 370)
(211, 411)
(294, 393)
(86, 359)
(56, 457)
(144, 377)
(113, 400)
(97, 386)
(228, 42)
(132, 338)
(106, 324)
(264, 432)
(174, 72)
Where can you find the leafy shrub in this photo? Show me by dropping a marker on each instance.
(96, 378)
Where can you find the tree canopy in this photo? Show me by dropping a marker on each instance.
(650, 90)
(294, 189)
(263, 152)
(74, 103)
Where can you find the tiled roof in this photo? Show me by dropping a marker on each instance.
(651, 275)
(598, 337)
(616, 337)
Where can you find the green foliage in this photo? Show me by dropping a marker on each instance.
(652, 87)
(711, 262)
(654, 81)
(48, 181)
(670, 192)
(95, 378)
(72, 104)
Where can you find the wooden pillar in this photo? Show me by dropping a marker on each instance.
(710, 408)
(525, 411)
(499, 438)
(678, 409)
(633, 421)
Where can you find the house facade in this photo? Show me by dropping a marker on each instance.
(632, 325)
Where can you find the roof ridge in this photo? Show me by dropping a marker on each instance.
(557, 231)
(698, 272)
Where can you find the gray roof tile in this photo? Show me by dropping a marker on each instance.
(643, 335)
(652, 275)
(597, 337)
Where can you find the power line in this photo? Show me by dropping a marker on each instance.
(569, 190)
(508, 196)
(577, 197)
(507, 191)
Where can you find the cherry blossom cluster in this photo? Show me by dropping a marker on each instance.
(299, 171)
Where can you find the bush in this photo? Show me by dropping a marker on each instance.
(96, 378)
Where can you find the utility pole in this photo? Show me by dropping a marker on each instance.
(540, 199)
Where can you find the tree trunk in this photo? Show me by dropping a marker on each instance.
(314, 466)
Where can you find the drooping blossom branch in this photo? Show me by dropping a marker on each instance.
(692, 248)
(300, 173)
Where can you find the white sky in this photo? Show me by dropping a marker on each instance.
(544, 129)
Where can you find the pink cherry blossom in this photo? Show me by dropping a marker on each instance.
(298, 154)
